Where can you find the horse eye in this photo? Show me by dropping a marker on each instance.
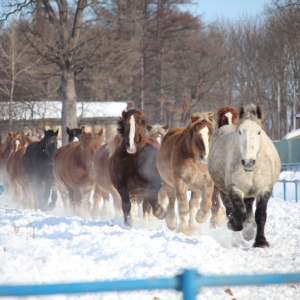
(259, 132)
(240, 132)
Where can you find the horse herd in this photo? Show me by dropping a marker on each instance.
(236, 162)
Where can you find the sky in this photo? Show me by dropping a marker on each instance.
(231, 9)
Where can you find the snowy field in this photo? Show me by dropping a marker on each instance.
(38, 248)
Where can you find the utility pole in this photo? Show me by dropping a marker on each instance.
(294, 109)
(278, 111)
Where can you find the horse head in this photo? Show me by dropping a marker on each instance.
(201, 128)
(91, 140)
(227, 115)
(75, 134)
(249, 133)
(50, 139)
(157, 131)
(131, 128)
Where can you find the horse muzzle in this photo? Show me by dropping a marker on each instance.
(248, 165)
(132, 149)
(203, 160)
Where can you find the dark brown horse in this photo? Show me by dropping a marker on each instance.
(73, 168)
(19, 179)
(132, 167)
(74, 134)
(182, 165)
(227, 115)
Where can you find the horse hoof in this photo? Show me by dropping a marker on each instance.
(261, 244)
(201, 217)
(249, 230)
(95, 214)
(51, 206)
(214, 223)
(184, 229)
(159, 212)
(234, 226)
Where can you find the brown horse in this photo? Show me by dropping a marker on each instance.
(227, 115)
(73, 168)
(182, 165)
(18, 177)
(132, 166)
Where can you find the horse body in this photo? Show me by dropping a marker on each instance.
(37, 162)
(73, 168)
(181, 164)
(245, 165)
(132, 166)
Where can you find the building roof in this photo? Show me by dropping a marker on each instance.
(52, 109)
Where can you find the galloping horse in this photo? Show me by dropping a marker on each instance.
(19, 179)
(227, 115)
(245, 165)
(74, 134)
(132, 166)
(73, 168)
(37, 162)
(182, 165)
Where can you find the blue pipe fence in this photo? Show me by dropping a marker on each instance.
(284, 182)
(188, 283)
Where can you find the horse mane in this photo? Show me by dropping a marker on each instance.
(157, 128)
(125, 114)
(114, 144)
(226, 109)
(203, 116)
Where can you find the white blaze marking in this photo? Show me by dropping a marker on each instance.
(76, 139)
(159, 139)
(204, 132)
(132, 148)
(229, 117)
(17, 144)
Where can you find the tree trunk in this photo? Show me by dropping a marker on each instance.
(69, 104)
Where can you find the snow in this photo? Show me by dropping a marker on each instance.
(52, 109)
(292, 134)
(37, 248)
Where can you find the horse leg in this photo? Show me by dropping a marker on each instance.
(53, 188)
(217, 211)
(163, 196)
(183, 208)
(86, 204)
(17, 191)
(171, 218)
(206, 202)
(146, 207)
(117, 200)
(71, 199)
(157, 209)
(36, 188)
(132, 209)
(105, 211)
(64, 197)
(249, 226)
(260, 219)
(78, 202)
(126, 203)
(95, 211)
(193, 206)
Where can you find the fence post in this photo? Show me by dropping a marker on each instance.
(284, 190)
(296, 189)
(188, 284)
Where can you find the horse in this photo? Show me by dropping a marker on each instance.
(18, 178)
(74, 134)
(73, 168)
(245, 165)
(182, 165)
(157, 132)
(37, 162)
(132, 166)
(227, 115)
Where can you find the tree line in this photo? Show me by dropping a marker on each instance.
(153, 52)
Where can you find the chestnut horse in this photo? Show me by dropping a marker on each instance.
(227, 115)
(245, 165)
(182, 165)
(37, 162)
(17, 175)
(73, 168)
(132, 166)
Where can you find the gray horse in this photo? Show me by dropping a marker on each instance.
(245, 165)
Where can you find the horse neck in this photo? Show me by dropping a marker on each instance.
(84, 151)
(187, 143)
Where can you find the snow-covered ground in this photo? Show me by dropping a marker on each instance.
(38, 248)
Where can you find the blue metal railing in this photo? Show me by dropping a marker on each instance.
(188, 282)
(290, 166)
(296, 182)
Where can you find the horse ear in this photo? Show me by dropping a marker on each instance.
(68, 130)
(82, 127)
(242, 111)
(56, 133)
(123, 114)
(100, 133)
(149, 127)
(211, 117)
(84, 133)
(259, 113)
(167, 126)
(194, 118)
